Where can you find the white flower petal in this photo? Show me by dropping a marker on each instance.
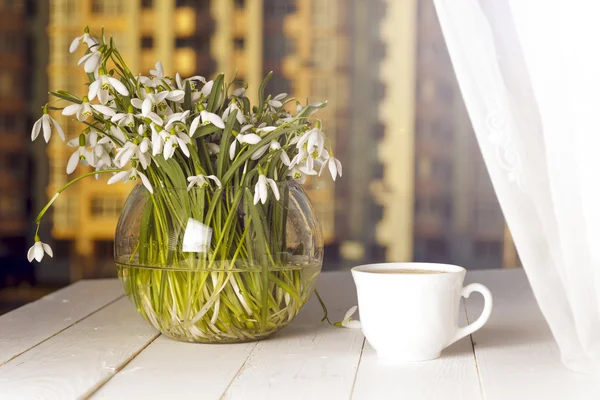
(206, 89)
(215, 179)
(71, 109)
(46, 127)
(212, 118)
(92, 62)
(332, 168)
(274, 188)
(94, 88)
(146, 182)
(73, 162)
(30, 253)
(47, 249)
(118, 85)
(74, 44)
(146, 106)
(251, 138)
(103, 109)
(35, 131)
(58, 128)
(176, 95)
(351, 324)
(194, 125)
(232, 150)
(119, 176)
(38, 251)
(137, 103)
(350, 313)
(256, 194)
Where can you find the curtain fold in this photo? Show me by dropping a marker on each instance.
(529, 73)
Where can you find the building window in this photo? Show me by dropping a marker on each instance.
(239, 43)
(11, 206)
(200, 44)
(323, 14)
(147, 42)
(109, 7)
(279, 8)
(106, 206)
(196, 4)
(436, 247)
(487, 249)
(147, 3)
(324, 53)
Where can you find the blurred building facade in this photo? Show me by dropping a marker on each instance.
(85, 216)
(16, 64)
(414, 186)
(439, 203)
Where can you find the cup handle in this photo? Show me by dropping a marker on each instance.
(485, 314)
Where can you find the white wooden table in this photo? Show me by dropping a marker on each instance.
(87, 341)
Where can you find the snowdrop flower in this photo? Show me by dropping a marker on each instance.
(131, 175)
(207, 88)
(275, 102)
(102, 85)
(260, 189)
(84, 110)
(239, 116)
(38, 249)
(312, 141)
(91, 61)
(123, 119)
(348, 322)
(130, 150)
(239, 92)
(45, 124)
(172, 141)
(118, 134)
(156, 75)
(82, 154)
(297, 175)
(213, 148)
(85, 38)
(146, 107)
(207, 118)
(243, 138)
(202, 181)
(176, 117)
(335, 166)
(274, 146)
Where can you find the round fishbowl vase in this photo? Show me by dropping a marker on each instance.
(211, 265)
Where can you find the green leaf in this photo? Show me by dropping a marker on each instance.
(247, 107)
(215, 94)
(187, 98)
(204, 130)
(261, 92)
(61, 94)
(224, 154)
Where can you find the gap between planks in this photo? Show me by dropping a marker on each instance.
(103, 382)
(239, 371)
(474, 352)
(362, 349)
(61, 330)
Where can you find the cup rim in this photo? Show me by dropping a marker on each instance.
(447, 268)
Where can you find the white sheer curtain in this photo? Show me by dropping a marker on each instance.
(529, 72)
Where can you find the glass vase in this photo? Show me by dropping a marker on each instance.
(209, 265)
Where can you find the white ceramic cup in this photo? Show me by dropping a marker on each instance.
(414, 316)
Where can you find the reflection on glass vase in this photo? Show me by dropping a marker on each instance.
(209, 265)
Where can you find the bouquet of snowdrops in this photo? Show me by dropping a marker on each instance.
(196, 145)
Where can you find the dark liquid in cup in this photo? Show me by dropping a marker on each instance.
(405, 271)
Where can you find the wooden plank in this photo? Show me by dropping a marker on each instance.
(35, 322)
(75, 362)
(168, 368)
(452, 376)
(516, 353)
(305, 360)
(308, 359)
